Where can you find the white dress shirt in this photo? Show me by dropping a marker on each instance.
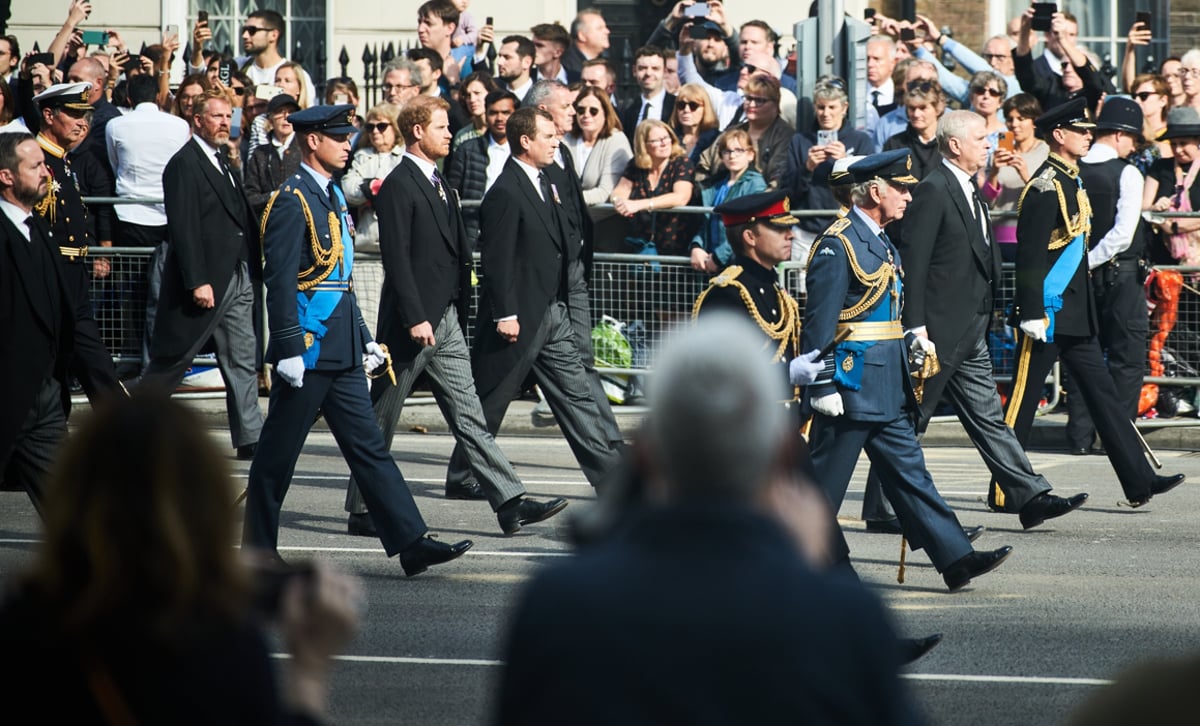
(140, 143)
(652, 107)
(1129, 208)
(497, 155)
(968, 190)
(17, 216)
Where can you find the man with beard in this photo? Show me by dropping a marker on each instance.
(514, 63)
(477, 162)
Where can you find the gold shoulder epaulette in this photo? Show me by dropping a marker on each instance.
(728, 275)
(1043, 182)
(839, 225)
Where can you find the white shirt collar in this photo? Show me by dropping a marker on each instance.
(17, 216)
(963, 177)
(427, 169)
(522, 91)
(1054, 61)
(870, 222)
(321, 180)
(533, 173)
(209, 150)
(1100, 153)
(656, 101)
(492, 141)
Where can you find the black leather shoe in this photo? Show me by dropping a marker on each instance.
(913, 649)
(522, 511)
(426, 552)
(886, 526)
(360, 525)
(973, 565)
(973, 532)
(247, 452)
(1048, 506)
(1164, 484)
(468, 490)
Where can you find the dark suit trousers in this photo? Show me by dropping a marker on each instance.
(342, 398)
(1085, 363)
(233, 332)
(448, 364)
(1124, 324)
(927, 521)
(553, 357)
(36, 447)
(580, 306)
(91, 362)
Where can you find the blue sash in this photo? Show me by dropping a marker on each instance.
(848, 360)
(315, 310)
(1058, 279)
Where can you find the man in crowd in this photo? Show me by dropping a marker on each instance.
(913, 72)
(139, 145)
(1114, 187)
(320, 347)
(436, 22)
(951, 271)
(649, 65)
(730, 105)
(63, 109)
(429, 63)
(477, 162)
(423, 314)
(881, 90)
(261, 37)
(600, 73)
(590, 35)
(713, 51)
(854, 284)
(732, 528)
(550, 42)
(402, 80)
(524, 322)
(1054, 308)
(213, 263)
(514, 63)
(1049, 77)
(997, 56)
(90, 71)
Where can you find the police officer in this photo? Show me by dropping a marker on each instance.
(1114, 186)
(1054, 309)
(863, 397)
(319, 346)
(64, 121)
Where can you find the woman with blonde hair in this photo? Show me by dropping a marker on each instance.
(659, 177)
(289, 76)
(694, 120)
(1153, 95)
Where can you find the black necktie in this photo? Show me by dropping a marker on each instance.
(645, 111)
(875, 99)
(333, 197)
(977, 208)
(224, 168)
(29, 224)
(547, 194)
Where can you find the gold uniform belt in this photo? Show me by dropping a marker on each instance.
(73, 252)
(886, 330)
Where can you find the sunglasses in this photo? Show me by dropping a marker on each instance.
(380, 127)
(989, 57)
(757, 101)
(993, 92)
(253, 30)
(1143, 95)
(588, 110)
(690, 105)
(922, 86)
(238, 90)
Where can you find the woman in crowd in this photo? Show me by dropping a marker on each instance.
(694, 120)
(988, 90)
(289, 77)
(659, 177)
(924, 104)
(136, 608)
(1189, 78)
(190, 88)
(600, 152)
(832, 139)
(372, 163)
(9, 121)
(471, 96)
(710, 250)
(1153, 96)
(1011, 170)
(768, 130)
(275, 160)
(1171, 186)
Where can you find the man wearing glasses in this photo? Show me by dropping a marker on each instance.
(402, 80)
(261, 36)
(996, 56)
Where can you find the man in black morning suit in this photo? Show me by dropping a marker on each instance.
(320, 347)
(213, 264)
(554, 98)
(423, 311)
(36, 323)
(951, 268)
(1054, 308)
(524, 325)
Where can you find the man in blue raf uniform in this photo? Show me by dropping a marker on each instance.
(319, 346)
(1054, 307)
(863, 398)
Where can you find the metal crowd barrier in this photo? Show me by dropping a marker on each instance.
(647, 294)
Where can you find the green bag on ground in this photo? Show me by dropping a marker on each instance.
(612, 350)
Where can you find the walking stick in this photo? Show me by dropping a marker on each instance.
(1146, 446)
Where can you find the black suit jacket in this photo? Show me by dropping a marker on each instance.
(426, 257)
(522, 253)
(36, 325)
(577, 220)
(950, 270)
(631, 111)
(210, 227)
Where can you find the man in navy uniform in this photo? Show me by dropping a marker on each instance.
(1054, 308)
(863, 398)
(319, 346)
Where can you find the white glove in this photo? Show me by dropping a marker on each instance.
(374, 357)
(1035, 329)
(827, 405)
(292, 371)
(919, 349)
(805, 367)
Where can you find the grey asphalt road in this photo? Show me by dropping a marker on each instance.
(1080, 599)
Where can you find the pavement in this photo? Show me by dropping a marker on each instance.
(422, 415)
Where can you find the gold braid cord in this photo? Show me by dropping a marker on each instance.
(323, 259)
(785, 331)
(1081, 223)
(877, 282)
